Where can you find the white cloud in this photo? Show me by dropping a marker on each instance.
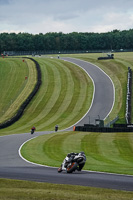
(65, 15)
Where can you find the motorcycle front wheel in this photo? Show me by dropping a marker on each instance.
(59, 169)
(72, 167)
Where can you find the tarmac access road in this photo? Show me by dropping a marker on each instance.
(12, 166)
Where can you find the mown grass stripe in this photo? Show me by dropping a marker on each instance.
(61, 96)
(51, 95)
(75, 107)
(73, 142)
(40, 99)
(71, 111)
(100, 149)
(124, 146)
(11, 84)
(41, 105)
(65, 96)
(43, 114)
(82, 98)
(50, 147)
(7, 87)
(27, 190)
(108, 149)
(51, 101)
(32, 78)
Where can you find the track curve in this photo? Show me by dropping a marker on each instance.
(12, 166)
(104, 92)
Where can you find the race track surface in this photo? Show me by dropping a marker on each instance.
(103, 98)
(14, 167)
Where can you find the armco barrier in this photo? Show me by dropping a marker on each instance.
(27, 101)
(112, 121)
(129, 95)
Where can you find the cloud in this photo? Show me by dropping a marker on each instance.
(3, 2)
(66, 16)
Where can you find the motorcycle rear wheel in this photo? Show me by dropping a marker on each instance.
(72, 168)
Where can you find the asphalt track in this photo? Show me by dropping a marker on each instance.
(14, 167)
(104, 94)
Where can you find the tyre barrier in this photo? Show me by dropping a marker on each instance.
(20, 111)
(105, 58)
(115, 128)
(109, 56)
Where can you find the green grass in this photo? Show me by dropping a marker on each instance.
(117, 70)
(64, 97)
(107, 152)
(26, 190)
(14, 87)
(66, 92)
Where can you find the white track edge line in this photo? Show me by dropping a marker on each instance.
(92, 79)
(89, 171)
(93, 92)
(19, 152)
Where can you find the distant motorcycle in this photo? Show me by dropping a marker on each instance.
(56, 128)
(72, 162)
(33, 130)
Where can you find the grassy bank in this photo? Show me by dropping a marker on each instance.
(64, 97)
(14, 86)
(65, 94)
(117, 70)
(55, 103)
(26, 190)
(108, 152)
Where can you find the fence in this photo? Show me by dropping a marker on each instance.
(129, 93)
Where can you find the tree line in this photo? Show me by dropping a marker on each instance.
(114, 40)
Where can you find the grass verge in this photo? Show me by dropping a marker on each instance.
(107, 152)
(26, 190)
(117, 70)
(15, 87)
(63, 98)
(66, 93)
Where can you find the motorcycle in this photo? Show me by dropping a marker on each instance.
(32, 131)
(56, 128)
(73, 163)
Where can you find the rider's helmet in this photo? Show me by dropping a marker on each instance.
(82, 153)
(68, 155)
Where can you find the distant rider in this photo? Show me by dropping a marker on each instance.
(56, 128)
(33, 129)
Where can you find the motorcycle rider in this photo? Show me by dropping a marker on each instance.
(69, 158)
(56, 128)
(33, 129)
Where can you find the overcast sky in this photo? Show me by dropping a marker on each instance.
(42, 16)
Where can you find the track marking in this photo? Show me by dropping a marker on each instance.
(97, 172)
(19, 152)
(94, 84)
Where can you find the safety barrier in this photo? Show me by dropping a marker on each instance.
(92, 128)
(129, 93)
(112, 122)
